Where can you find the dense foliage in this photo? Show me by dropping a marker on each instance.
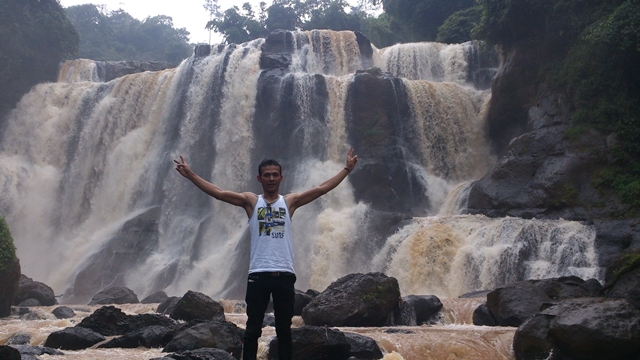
(35, 36)
(7, 249)
(402, 20)
(116, 35)
(590, 51)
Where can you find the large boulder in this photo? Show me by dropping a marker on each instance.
(585, 329)
(110, 321)
(73, 338)
(314, 343)
(29, 352)
(157, 297)
(424, 306)
(622, 278)
(9, 353)
(212, 334)
(167, 306)
(29, 289)
(301, 300)
(363, 347)
(514, 303)
(150, 337)
(355, 300)
(63, 312)
(195, 305)
(115, 295)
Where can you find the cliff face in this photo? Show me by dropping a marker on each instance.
(547, 165)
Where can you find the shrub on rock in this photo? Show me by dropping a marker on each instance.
(9, 270)
(115, 295)
(355, 300)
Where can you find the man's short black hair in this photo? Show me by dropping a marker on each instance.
(267, 162)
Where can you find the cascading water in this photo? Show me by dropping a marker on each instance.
(89, 191)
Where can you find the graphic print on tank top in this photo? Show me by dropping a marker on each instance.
(271, 221)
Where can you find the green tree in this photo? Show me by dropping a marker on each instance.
(236, 27)
(35, 36)
(333, 16)
(457, 28)
(7, 249)
(116, 35)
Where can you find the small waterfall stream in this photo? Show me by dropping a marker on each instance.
(89, 191)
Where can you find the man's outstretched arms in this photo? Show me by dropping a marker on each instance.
(245, 200)
(295, 200)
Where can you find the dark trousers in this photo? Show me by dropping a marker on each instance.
(281, 287)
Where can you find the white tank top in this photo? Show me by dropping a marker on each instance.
(271, 241)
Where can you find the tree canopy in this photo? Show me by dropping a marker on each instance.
(116, 35)
(35, 36)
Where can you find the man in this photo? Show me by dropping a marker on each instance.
(271, 270)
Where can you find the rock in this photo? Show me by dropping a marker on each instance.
(9, 353)
(405, 315)
(269, 320)
(19, 339)
(425, 306)
(514, 303)
(127, 248)
(585, 328)
(482, 316)
(312, 293)
(398, 331)
(115, 295)
(150, 337)
(201, 354)
(9, 287)
(355, 300)
(110, 321)
(474, 294)
(301, 300)
(109, 70)
(63, 312)
(30, 289)
(167, 306)
(28, 350)
(157, 297)
(73, 338)
(195, 305)
(622, 278)
(211, 334)
(314, 342)
(30, 303)
(363, 347)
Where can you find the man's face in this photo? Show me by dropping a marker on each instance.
(270, 178)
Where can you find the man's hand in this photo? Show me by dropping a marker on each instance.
(351, 160)
(183, 168)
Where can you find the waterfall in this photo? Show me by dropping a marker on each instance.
(89, 191)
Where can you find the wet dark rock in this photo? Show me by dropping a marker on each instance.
(514, 303)
(398, 331)
(9, 287)
(269, 320)
(30, 303)
(200, 354)
(109, 70)
(196, 305)
(405, 315)
(157, 297)
(622, 278)
(110, 321)
(315, 342)
(312, 293)
(73, 338)
(130, 246)
(9, 353)
(585, 328)
(211, 334)
(150, 337)
(482, 316)
(363, 347)
(29, 289)
(115, 295)
(475, 294)
(19, 339)
(301, 300)
(28, 350)
(355, 300)
(63, 312)
(167, 306)
(425, 306)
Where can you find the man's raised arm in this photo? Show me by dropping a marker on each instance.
(245, 200)
(295, 200)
